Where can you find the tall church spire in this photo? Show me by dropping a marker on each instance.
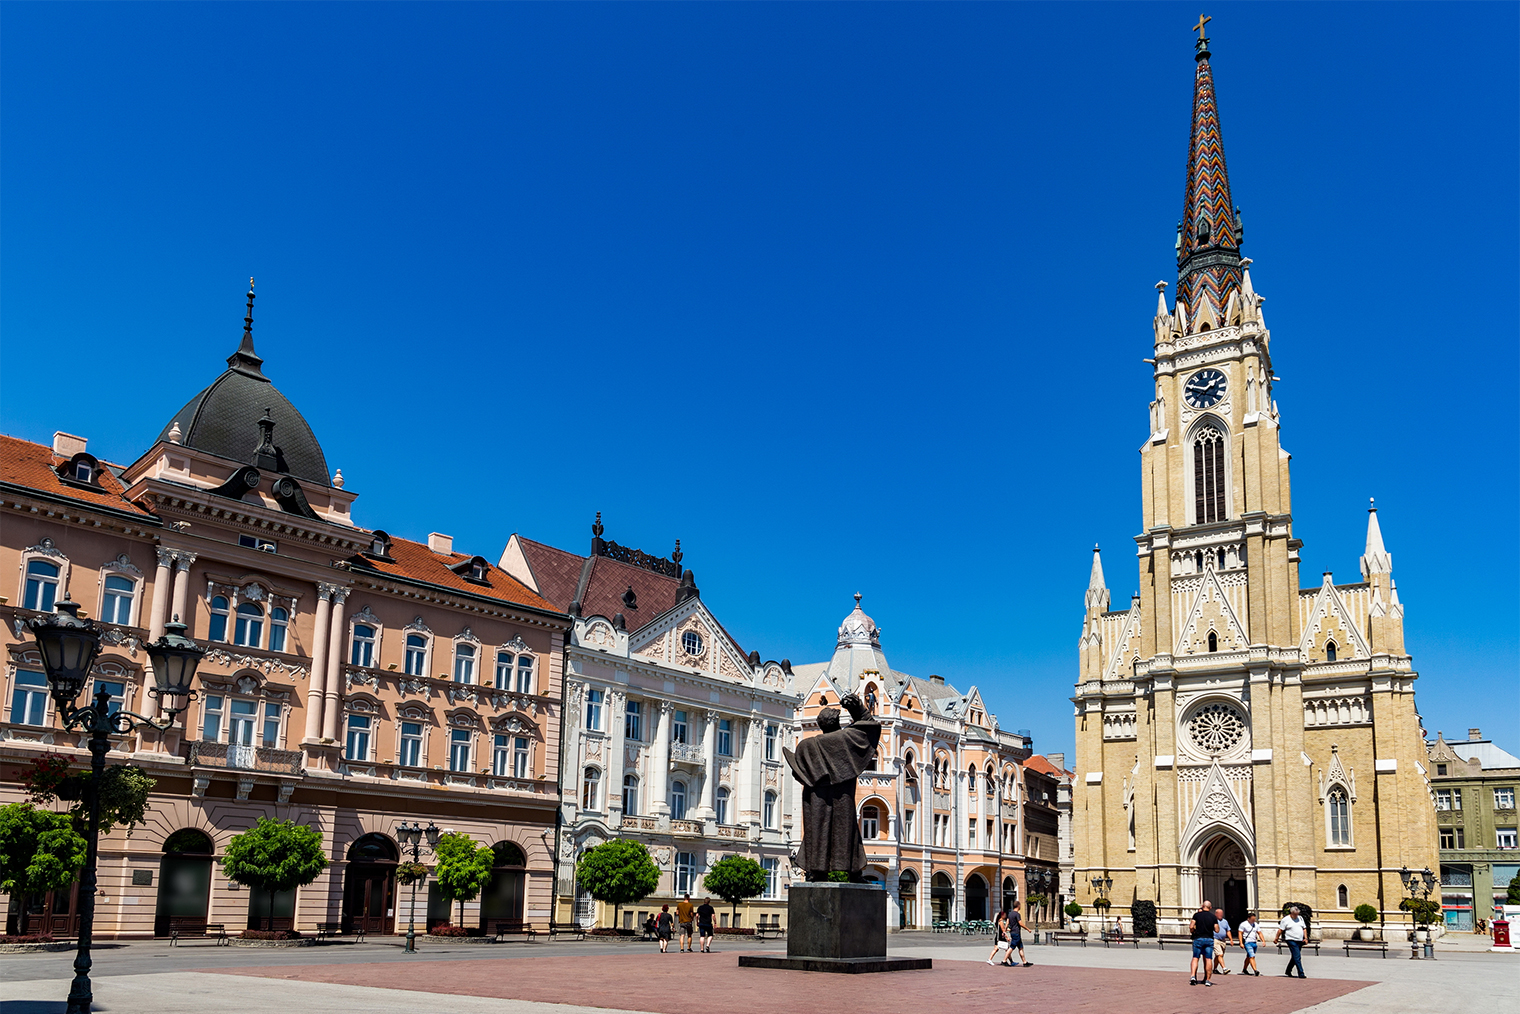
(1209, 235)
(1097, 591)
(1376, 559)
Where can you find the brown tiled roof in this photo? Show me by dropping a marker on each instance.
(1043, 766)
(24, 463)
(610, 579)
(419, 563)
(556, 571)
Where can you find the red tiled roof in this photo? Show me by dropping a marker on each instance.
(611, 579)
(1043, 766)
(415, 561)
(24, 463)
(557, 572)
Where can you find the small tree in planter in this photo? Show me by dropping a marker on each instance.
(1366, 915)
(464, 868)
(734, 878)
(274, 856)
(1073, 910)
(617, 872)
(39, 851)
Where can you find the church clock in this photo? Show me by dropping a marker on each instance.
(1205, 388)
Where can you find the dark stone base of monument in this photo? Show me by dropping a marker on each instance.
(836, 928)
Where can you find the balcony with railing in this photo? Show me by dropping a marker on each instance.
(246, 758)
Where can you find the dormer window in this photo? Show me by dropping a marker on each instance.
(477, 571)
(80, 470)
(84, 471)
(377, 547)
(380, 545)
(474, 569)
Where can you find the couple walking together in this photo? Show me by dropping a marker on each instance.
(686, 912)
(1009, 930)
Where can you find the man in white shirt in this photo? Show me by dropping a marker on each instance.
(1294, 931)
(1250, 936)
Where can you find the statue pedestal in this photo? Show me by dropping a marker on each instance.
(835, 928)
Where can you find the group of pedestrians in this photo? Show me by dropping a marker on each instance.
(1212, 934)
(686, 914)
(1009, 929)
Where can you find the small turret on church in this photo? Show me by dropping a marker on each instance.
(1385, 623)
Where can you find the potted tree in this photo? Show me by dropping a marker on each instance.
(1074, 910)
(1366, 915)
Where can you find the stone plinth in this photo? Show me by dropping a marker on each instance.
(836, 928)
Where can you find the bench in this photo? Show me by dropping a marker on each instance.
(326, 930)
(218, 930)
(1366, 945)
(571, 928)
(1110, 938)
(1307, 945)
(512, 927)
(1162, 939)
(1070, 936)
(765, 929)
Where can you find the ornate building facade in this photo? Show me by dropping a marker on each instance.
(673, 734)
(354, 680)
(957, 811)
(1239, 737)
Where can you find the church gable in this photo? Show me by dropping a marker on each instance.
(1211, 613)
(1330, 621)
(1126, 648)
(1217, 806)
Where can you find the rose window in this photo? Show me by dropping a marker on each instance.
(1216, 728)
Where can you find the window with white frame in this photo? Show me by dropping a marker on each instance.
(594, 701)
(1340, 817)
(501, 755)
(357, 747)
(29, 698)
(971, 833)
(720, 805)
(686, 872)
(522, 757)
(591, 788)
(363, 650)
(725, 737)
(1504, 799)
(41, 585)
(870, 822)
(219, 613)
(464, 662)
(212, 709)
(249, 630)
(279, 627)
(410, 754)
(633, 721)
(459, 750)
(678, 800)
(241, 718)
(116, 597)
(1443, 799)
(678, 727)
(514, 672)
(504, 660)
(772, 733)
(525, 663)
(772, 868)
(630, 795)
(907, 831)
(416, 655)
(271, 730)
(1504, 838)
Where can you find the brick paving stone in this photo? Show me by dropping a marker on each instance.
(697, 983)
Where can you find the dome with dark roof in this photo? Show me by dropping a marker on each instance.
(223, 419)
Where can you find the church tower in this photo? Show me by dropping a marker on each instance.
(1239, 738)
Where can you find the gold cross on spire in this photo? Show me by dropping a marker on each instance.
(1203, 19)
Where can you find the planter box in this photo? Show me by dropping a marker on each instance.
(302, 942)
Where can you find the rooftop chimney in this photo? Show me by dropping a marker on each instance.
(937, 679)
(1474, 735)
(1057, 760)
(440, 543)
(66, 445)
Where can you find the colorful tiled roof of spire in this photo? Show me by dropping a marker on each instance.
(1208, 249)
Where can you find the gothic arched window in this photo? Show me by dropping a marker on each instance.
(1329, 651)
(1208, 475)
(1340, 817)
(1213, 641)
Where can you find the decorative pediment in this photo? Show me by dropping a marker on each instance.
(45, 548)
(414, 712)
(1126, 648)
(122, 564)
(466, 635)
(464, 719)
(363, 705)
(367, 617)
(1330, 620)
(417, 626)
(518, 645)
(1217, 806)
(514, 725)
(1211, 613)
(1336, 774)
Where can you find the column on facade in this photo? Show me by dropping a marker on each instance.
(318, 684)
(162, 577)
(570, 729)
(617, 708)
(182, 562)
(749, 770)
(710, 756)
(657, 787)
(332, 712)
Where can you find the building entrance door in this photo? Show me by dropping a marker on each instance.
(369, 885)
(1222, 871)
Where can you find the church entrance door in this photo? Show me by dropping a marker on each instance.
(1222, 871)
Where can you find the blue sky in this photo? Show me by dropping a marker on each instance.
(847, 297)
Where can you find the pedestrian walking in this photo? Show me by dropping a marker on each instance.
(1016, 937)
(1202, 929)
(685, 913)
(1000, 951)
(705, 916)
(663, 924)
(1293, 931)
(1221, 941)
(1250, 936)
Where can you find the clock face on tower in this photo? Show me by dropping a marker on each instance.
(1204, 389)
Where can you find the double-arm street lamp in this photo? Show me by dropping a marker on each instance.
(1418, 884)
(413, 835)
(1101, 886)
(69, 645)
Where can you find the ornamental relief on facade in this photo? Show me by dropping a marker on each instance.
(600, 634)
(1119, 725)
(267, 666)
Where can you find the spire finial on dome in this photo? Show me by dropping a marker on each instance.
(857, 600)
(1202, 45)
(245, 360)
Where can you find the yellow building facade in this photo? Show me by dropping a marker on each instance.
(1239, 738)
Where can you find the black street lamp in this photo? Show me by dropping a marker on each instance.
(1418, 884)
(413, 835)
(69, 645)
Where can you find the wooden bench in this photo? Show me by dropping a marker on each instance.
(1366, 945)
(1162, 939)
(1110, 938)
(570, 928)
(765, 929)
(1070, 936)
(512, 927)
(327, 930)
(218, 930)
(1307, 945)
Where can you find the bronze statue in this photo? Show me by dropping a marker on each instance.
(827, 765)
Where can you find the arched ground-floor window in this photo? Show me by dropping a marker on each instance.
(184, 883)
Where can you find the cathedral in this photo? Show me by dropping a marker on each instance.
(1239, 738)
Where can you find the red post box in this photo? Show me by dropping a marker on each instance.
(1501, 932)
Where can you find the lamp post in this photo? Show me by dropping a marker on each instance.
(1418, 884)
(1101, 886)
(69, 645)
(413, 835)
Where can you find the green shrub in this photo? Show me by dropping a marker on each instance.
(1073, 909)
(1365, 914)
(1143, 918)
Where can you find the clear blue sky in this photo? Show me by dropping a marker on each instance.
(847, 297)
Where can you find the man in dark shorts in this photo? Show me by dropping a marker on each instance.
(705, 916)
(1015, 937)
(685, 913)
(1202, 930)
